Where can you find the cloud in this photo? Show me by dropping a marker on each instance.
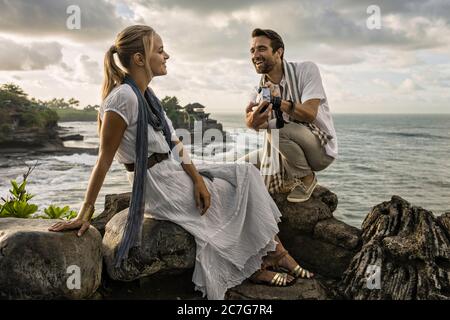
(325, 54)
(409, 86)
(30, 56)
(88, 70)
(383, 83)
(303, 24)
(208, 40)
(202, 6)
(99, 19)
(83, 69)
(435, 9)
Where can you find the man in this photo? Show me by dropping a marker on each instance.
(307, 139)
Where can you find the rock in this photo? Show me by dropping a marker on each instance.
(303, 217)
(444, 221)
(309, 231)
(114, 203)
(318, 256)
(303, 289)
(166, 249)
(405, 255)
(72, 137)
(338, 233)
(34, 262)
(314, 237)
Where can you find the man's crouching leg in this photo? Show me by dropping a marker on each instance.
(303, 155)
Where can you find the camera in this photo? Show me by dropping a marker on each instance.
(264, 94)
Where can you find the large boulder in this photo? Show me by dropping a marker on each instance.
(166, 249)
(39, 264)
(314, 237)
(405, 255)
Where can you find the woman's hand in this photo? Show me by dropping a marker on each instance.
(202, 196)
(71, 225)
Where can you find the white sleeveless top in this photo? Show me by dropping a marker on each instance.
(123, 101)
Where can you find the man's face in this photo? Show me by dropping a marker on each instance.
(263, 57)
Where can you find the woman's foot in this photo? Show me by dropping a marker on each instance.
(276, 279)
(283, 261)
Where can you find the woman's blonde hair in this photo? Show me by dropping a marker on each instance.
(131, 40)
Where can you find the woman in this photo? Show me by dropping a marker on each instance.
(231, 215)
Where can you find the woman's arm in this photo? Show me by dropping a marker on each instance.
(201, 194)
(111, 134)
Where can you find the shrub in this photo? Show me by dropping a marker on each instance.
(16, 205)
(54, 212)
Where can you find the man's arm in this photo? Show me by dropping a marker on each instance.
(312, 94)
(305, 112)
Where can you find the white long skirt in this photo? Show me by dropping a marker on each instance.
(236, 232)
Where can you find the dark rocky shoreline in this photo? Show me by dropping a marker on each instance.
(408, 243)
(32, 143)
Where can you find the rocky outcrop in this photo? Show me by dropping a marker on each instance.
(38, 264)
(31, 138)
(309, 231)
(166, 249)
(402, 252)
(314, 237)
(405, 255)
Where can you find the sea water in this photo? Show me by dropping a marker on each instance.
(379, 156)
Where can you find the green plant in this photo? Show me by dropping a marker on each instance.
(16, 205)
(54, 212)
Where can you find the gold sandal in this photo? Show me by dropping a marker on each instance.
(300, 272)
(280, 279)
(297, 272)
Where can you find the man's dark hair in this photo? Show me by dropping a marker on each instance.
(276, 42)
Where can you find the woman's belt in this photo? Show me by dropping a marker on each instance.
(152, 160)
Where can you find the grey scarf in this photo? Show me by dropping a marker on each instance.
(148, 113)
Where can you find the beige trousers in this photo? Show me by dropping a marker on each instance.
(300, 149)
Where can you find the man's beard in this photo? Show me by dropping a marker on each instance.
(265, 67)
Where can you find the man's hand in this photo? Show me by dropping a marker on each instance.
(255, 119)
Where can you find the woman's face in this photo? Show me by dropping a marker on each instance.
(158, 57)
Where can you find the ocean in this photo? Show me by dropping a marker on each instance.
(379, 156)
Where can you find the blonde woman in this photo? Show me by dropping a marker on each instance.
(229, 212)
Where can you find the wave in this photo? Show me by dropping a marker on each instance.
(82, 159)
(415, 135)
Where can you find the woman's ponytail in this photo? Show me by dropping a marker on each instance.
(113, 74)
(133, 39)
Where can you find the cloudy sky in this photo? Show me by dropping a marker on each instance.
(402, 67)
